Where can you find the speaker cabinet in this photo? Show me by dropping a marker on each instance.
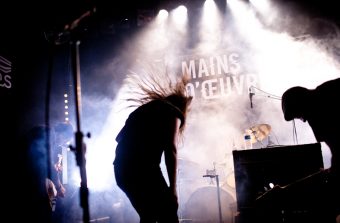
(277, 182)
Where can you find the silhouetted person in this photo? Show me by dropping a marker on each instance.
(320, 108)
(44, 187)
(149, 132)
(37, 204)
(63, 133)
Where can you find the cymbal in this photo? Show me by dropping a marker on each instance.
(258, 132)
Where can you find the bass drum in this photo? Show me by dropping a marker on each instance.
(202, 206)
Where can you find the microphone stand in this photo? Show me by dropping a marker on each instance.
(267, 95)
(70, 34)
(264, 94)
(212, 174)
(80, 147)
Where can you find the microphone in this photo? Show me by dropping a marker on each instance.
(74, 24)
(65, 35)
(251, 94)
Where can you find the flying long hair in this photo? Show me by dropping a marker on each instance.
(157, 85)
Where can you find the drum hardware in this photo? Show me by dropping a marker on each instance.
(202, 206)
(270, 142)
(258, 132)
(212, 174)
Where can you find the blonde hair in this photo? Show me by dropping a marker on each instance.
(159, 86)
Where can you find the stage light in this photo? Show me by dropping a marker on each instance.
(66, 112)
(180, 15)
(210, 16)
(163, 14)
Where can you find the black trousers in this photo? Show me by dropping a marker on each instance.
(148, 193)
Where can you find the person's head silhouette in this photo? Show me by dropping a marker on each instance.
(295, 102)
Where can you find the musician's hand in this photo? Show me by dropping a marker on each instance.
(50, 188)
(58, 167)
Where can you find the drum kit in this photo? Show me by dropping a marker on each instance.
(258, 132)
(197, 201)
